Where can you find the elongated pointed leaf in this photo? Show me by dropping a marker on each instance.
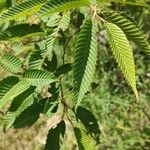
(89, 121)
(83, 139)
(134, 3)
(20, 31)
(123, 53)
(19, 104)
(13, 92)
(21, 9)
(29, 116)
(10, 63)
(55, 6)
(62, 24)
(6, 84)
(38, 77)
(132, 32)
(36, 60)
(85, 59)
(52, 102)
(3, 4)
(53, 137)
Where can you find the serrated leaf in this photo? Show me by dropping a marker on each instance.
(65, 21)
(21, 9)
(36, 60)
(51, 104)
(19, 104)
(51, 38)
(29, 116)
(63, 69)
(123, 53)
(85, 59)
(10, 63)
(52, 20)
(20, 31)
(53, 137)
(132, 31)
(38, 77)
(83, 139)
(51, 66)
(55, 6)
(89, 121)
(6, 84)
(2, 4)
(134, 3)
(22, 101)
(11, 93)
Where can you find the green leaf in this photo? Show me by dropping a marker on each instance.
(83, 139)
(51, 38)
(52, 102)
(29, 116)
(3, 4)
(19, 104)
(129, 2)
(55, 6)
(51, 66)
(22, 9)
(36, 60)
(85, 59)
(6, 84)
(131, 30)
(123, 53)
(10, 63)
(65, 21)
(53, 137)
(22, 101)
(11, 93)
(89, 121)
(63, 69)
(38, 77)
(20, 31)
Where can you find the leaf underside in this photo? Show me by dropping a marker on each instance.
(123, 53)
(131, 30)
(38, 77)
(11, 93)
(10, 63)
(19, 104)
